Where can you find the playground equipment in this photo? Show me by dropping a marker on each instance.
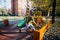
(39, 20)
(39, 34)
(42, 28)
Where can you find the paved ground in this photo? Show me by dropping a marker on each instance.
(12, 33)
(14, 36)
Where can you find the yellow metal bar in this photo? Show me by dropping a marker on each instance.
(38, 34)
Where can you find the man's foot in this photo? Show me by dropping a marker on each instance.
(19, 31)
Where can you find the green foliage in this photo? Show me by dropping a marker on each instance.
(46, 5)
(38, 13)
(43, 4)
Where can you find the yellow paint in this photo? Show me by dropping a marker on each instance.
(42, 31)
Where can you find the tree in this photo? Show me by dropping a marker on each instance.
(46, 5)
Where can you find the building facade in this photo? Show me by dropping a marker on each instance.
(20, 7)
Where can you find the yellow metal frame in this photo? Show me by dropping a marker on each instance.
(38, 34)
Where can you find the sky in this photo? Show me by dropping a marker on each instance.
(8, 4)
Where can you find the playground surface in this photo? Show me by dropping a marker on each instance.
(11, 32)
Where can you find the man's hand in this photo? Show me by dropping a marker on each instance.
(37, 25)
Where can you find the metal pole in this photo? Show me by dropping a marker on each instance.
(53, 11)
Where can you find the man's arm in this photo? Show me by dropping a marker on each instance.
(34, 22)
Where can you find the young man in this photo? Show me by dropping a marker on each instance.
(28, 24)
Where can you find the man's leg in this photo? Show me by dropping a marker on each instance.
(31, 26)
(20, 30)
(23, 28)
